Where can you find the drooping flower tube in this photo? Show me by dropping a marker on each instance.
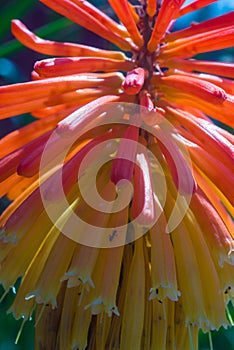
(122, 190)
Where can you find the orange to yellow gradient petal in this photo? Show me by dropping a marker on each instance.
(131, 137)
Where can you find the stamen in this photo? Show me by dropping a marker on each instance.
(4, 295)
(229, 316)
(82, 292)
(164, 311)
(40, 315)
(210, 340)
(190, 337)
(20, 330)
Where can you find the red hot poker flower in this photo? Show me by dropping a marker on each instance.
(104, 268)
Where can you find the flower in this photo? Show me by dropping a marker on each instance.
(171, 271)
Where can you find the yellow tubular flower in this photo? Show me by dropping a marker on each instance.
(120, 227)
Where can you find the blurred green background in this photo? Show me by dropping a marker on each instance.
(16, 64)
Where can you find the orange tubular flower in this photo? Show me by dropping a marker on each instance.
(195, 5)
(134, 81)
(194, 44)
(151, 7)
(166, 14)
(122, 190)
(198, 28)
(48, 47)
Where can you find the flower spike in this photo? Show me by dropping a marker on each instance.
(120, 231)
